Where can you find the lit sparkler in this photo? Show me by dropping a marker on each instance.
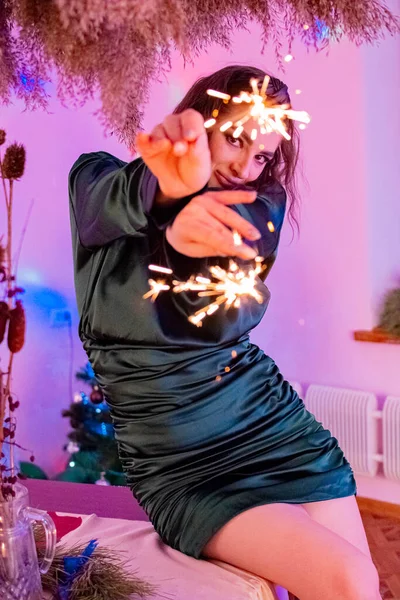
(268, 118)
(226, 288)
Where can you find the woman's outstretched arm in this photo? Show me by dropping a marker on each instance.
(109, 198)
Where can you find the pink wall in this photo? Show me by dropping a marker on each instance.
(324, 285)
(349, 249)
(382, 129)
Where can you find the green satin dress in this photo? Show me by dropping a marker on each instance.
(207, 427)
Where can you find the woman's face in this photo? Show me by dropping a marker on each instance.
(239, 161)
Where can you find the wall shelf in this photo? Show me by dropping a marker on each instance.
(375, 335)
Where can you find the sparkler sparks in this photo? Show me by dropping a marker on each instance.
(227, 287)
(156, 288)
(160, 269)
(269, 118)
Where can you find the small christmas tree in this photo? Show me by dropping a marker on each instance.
(92, 446)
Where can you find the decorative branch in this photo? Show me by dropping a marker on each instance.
(12, 314)
(84, 41)
(103, 575)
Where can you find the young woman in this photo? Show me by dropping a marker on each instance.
(217, 447)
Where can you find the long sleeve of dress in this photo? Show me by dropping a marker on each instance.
(273, 200)
(110, 199)
(269, 207)
(105, 199)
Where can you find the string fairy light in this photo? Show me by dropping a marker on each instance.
(268, 118)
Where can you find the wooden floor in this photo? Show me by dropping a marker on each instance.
(383, 533)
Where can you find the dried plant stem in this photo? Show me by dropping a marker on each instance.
(3, 395)
(2, 415)
(9, 287)
(2, 405)
(25, 227)
(7, 395)
(9, 242)
(6, 388)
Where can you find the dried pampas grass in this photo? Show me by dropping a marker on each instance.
(118, 47)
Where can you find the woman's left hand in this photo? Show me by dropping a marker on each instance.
(177, 153)
(205, 226)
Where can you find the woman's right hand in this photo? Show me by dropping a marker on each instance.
(205, 226)
(177, 153)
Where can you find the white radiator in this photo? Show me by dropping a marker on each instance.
(351, 417)
(391, 437)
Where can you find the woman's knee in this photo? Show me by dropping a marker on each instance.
(357, 579)
(301, 555)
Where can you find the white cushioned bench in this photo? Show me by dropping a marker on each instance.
(177, 576)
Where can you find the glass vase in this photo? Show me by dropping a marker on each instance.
(19, 567)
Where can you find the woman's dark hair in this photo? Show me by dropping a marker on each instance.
(232, 80)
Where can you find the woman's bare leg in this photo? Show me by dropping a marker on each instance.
(282, 543)
(341, 516)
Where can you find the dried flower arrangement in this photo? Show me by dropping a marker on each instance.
(85, 41)
(88, 571)
(12, 316)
